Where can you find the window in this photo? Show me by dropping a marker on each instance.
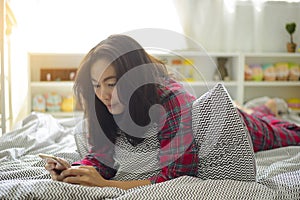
(77, 25)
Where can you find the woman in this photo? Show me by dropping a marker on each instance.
(139, 121)
(117, 84)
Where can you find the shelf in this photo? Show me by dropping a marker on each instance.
(211, 83)
(271, 83)
(52, 83)
(192, 53)
(270, 55)
(65, 114)
(204, 63)
(267, 58)
(61, 87)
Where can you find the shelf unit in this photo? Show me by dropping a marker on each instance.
(281, 89)
(204, 63)
(204, 66)
(38, 61)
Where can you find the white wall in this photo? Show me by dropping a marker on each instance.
(219, 27)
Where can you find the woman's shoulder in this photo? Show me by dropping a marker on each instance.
(170, 88)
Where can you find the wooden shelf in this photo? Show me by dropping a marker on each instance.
(52, 83)
(272, 83)
(66, 114)
(210, 83)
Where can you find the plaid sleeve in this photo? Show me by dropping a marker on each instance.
(178, 153)
(268, 131)
(92, 159)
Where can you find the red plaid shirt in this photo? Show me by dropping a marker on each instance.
(178, 152)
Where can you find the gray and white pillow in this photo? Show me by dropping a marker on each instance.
(225, 147)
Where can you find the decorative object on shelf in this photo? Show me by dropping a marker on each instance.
(58, 74)
(72, 76)
(53, 102)
(183, 70)
(39, 103)
(188, 70)
(247, 73)
(294, 103)
(175, 69)
(48, 77)
(68, 104)
(221, 70)
(294, 72)
(291, 28)
(282, 71)
(257, 72)
(269, 73)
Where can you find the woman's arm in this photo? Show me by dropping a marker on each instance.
(178, 153)
(93, 160)
(88, 176)
(125, 185)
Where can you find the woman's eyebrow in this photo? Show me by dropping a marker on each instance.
(105, 79)
(109, 77)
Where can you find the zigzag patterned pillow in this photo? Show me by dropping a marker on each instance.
(225, 147)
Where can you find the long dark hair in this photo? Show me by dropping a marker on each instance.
(124, 54)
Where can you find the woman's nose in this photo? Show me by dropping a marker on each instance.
(103, 94)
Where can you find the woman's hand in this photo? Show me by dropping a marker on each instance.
(83, 175)
(55, 168)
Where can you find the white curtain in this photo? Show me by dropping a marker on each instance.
(232, 25)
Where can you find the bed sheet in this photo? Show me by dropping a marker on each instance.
(22, 173)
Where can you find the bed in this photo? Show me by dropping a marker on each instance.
(22, 173)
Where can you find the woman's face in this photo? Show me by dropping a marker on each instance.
(104, 81)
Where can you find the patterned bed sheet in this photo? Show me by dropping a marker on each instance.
(22, 173)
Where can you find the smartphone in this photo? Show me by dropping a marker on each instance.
(56, 159)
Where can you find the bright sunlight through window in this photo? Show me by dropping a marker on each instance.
(77, 25)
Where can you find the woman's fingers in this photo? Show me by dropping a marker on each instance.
(83, 175)
(54, 169)
(77, 171)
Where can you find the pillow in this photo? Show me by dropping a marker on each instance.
(224, 145)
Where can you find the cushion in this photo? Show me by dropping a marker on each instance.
(224, 145)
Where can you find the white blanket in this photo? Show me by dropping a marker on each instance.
(22, 173)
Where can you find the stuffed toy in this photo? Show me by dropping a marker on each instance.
(257, 72)
(294, 72)
(269, 72)
(282, 71)
(67, 104)
(247, 73)
(294, 103)
(53, 102)
(39, 103)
